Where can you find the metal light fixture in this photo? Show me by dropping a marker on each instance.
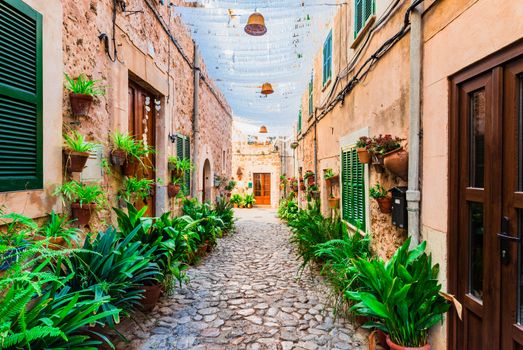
(267, 89)
(256, 25)
(263, 129)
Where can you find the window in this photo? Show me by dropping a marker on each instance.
(363, 10)
(299, 121)
(20, 97)
(327, 58)
(311, 85)
(183, 151)
(353, 189)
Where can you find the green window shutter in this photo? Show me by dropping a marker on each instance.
(311, 88)
(327, 58)
(179, 147)
(299, 121)
(20, 97)
(187, 155)
(353, 189)
(363, 10)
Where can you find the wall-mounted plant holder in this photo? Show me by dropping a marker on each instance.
(80, 104)
(377, 162)
(397, 162)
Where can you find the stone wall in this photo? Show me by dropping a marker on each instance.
(146, 56)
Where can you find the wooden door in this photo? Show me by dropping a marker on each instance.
(142, 124)
(262, 188)
(485, 255)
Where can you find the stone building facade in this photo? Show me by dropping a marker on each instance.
(451, 58)
(126, 44)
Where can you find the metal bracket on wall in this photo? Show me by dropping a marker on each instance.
(172, 137)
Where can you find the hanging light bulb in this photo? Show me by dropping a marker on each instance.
(263, 129)
(267, 89)
(256, 25)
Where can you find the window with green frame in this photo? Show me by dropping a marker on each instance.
(327, 58)
(299, 121)
(20, 97)
(353, 189)
(311, 88)
(183, 151)
(362, 11)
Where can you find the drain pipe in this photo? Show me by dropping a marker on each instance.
(196, 121)
(413, 191)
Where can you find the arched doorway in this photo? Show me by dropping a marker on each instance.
(207, 181)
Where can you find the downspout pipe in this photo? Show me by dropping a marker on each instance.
(196, 122)
(413, 191)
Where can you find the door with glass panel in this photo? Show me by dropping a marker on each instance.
(485, 257)
(262, 188)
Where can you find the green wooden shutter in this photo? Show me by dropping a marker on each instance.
(179, 147)
(353, 189)
(20, 97)
(299, 121)
(363, 10)
(187, 155)
(327, 58)
(311, 88)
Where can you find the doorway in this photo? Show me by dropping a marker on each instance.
(262, 188)
(207, 183)
(142, 126)
(486, 203)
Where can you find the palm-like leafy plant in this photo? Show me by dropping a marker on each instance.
(76, 142)
(58, 226)
(85, 86)
(81, 193)
(401, 295)
(135, 189)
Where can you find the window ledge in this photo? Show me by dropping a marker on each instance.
(363, 32)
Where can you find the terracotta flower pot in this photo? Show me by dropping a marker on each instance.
(118, 157)
(397, 162)
(55, 243)
(178, 174)
(394, 346)
(80, 104)
(82, 214)
(364, 156)
(235, 205)
(334, 203)
(173, 190)
(171, 166)
(75, 161)
(130, 167)
(385, 204)
(151, 295)
(377, 161)
(310, 180)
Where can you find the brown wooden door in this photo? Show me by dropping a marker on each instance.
(262, 188)
(486, 262)
(142, 124)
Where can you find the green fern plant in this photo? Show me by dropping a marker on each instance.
(76, 142)
(85, 86)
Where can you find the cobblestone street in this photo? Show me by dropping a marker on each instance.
(245, 295)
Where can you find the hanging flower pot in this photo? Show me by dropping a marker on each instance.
(385, 204)
(394, 346)
(151, 295)
(82, 213)
(364, 156)
(173, 190)
(118, 157)
(294, 144)
(130, 166)
(397, 162)
(75, 161)
(80, 104)
(334, 202)
(310, 180)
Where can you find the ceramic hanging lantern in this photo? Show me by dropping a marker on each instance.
(267, 89)
(256, 25)
(263, 129)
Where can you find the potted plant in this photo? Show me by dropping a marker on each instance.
(380, 146)
(135, 189)
(229, 187)
(179, 166)
(302, 184)
(402, 297)
(13, 239)
(81, 93)
(84, 199)
(236, 200)
(309, 176)
(380, 195)
(57, 232)
(293, 182)
(137, 152)
(174, 187)
(283, 182)
(294, 144)
(330, 176)
(363, 144)
(334, 202)
(122, 147)
(249, 200)
(314, 191)
(77, 151)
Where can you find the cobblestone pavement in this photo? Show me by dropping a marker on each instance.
(246, 295)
